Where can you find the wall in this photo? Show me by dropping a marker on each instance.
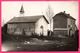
(71, 24)
(60, 25)
(60, 21)
(60, 32)
(18, 28)
(38, 24)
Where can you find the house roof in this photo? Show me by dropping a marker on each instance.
(27, 19)
(65, 14)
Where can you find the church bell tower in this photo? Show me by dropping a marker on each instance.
(22, 11)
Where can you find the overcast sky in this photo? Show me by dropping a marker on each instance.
(11, 9)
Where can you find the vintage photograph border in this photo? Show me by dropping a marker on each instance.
(38, 52)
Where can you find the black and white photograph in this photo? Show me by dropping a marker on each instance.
(40, 26)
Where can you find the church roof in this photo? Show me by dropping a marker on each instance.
(27, 19)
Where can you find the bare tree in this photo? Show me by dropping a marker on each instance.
(49, 14)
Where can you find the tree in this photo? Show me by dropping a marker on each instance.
(49, 14)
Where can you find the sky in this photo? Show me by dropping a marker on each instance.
(11, 9)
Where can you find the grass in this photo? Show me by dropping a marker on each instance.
(61, 44)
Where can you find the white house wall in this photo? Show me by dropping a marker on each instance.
(38, 24)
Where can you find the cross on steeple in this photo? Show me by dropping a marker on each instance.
(22, 10)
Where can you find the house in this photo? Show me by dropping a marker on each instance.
(64, 24)
(28, 25)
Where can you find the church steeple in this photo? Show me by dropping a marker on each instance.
(22, 10)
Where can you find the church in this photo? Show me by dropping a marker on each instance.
(28, 25)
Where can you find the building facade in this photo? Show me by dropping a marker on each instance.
(63, 24)
(28, 25)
